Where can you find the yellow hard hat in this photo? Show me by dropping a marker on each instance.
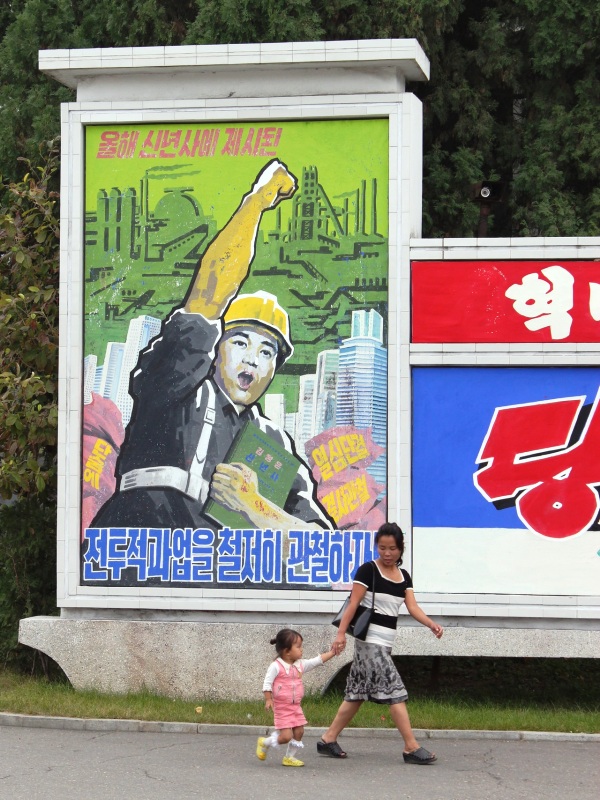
(263, 309)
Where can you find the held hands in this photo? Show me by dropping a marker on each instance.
(339, 644)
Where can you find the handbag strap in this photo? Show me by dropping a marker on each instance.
(373, 588)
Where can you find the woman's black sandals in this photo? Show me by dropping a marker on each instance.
(419, 756)
(331, 749)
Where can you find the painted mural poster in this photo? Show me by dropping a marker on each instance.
(235, 340)
(506, 480)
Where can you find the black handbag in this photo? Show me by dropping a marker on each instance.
(362, 619)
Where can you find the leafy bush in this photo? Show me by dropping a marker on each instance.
(29, 256)
(27, 575)
(29, 249)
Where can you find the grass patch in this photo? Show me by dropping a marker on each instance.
(450, 693)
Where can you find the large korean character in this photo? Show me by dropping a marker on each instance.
(232, 144)
(267, 139)
(361, 490)
(271, 556)
(182, 554)
(137, 551)
(202, 555)
(230, 556)
(127, 144)
(329, 501)
(319, 456)
(354, 447)
(336, 456)
(160, 552)
(95, 561)
(262, 556)
(319, 556)
(298, 561)
(528, 457)
(151, 144)
(108, 145)
(117, 551)
(169, 144)
(340, 558)
(204, 142)
(545, 302)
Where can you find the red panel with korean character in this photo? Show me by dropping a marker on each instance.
(505, 301)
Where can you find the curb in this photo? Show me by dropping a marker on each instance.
(144, 726)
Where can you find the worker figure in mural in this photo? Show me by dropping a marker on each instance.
(198, 384)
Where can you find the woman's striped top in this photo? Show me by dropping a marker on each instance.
(389, 597)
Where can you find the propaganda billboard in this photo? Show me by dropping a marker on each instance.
(235, 352)
(505, 479)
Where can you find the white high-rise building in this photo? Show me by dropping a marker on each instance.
(111, 373)
(304, 419)
(98, 379)
(274, 407)
(362, 383)
(141, 331)
(90, 364)
(291, 419)
(324, 401)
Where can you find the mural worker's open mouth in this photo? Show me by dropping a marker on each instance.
(245, 379)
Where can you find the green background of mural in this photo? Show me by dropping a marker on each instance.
(145, 237)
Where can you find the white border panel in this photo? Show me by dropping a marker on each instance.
(71, 594)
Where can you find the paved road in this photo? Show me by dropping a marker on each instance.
(50, 764)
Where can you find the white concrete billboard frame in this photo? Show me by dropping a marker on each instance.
(289, 81)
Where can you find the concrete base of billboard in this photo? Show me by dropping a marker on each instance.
(220, 660)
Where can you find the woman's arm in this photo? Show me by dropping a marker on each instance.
(417, 613)
(357, 594)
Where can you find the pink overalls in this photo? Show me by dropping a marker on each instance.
(288, 691)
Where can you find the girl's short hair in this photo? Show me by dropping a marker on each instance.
(391, 529)
(285, 639)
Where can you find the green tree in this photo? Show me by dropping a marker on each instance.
(29, 248)
(513, 97)
(27, 575)
(513, 94)
(29, 239)
(30, 101)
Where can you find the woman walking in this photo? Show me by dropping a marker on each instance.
(373, 675)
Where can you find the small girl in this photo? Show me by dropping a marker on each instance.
(283, 690)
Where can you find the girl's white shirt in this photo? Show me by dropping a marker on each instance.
(302, 665)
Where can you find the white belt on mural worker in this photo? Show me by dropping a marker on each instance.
(190, 483)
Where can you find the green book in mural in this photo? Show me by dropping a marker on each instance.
(275, 467)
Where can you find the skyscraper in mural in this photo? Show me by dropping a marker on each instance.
(305, 411)
(274, 408)
(325, 390)
(111, 374)
(362, 382)
(90, 373)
